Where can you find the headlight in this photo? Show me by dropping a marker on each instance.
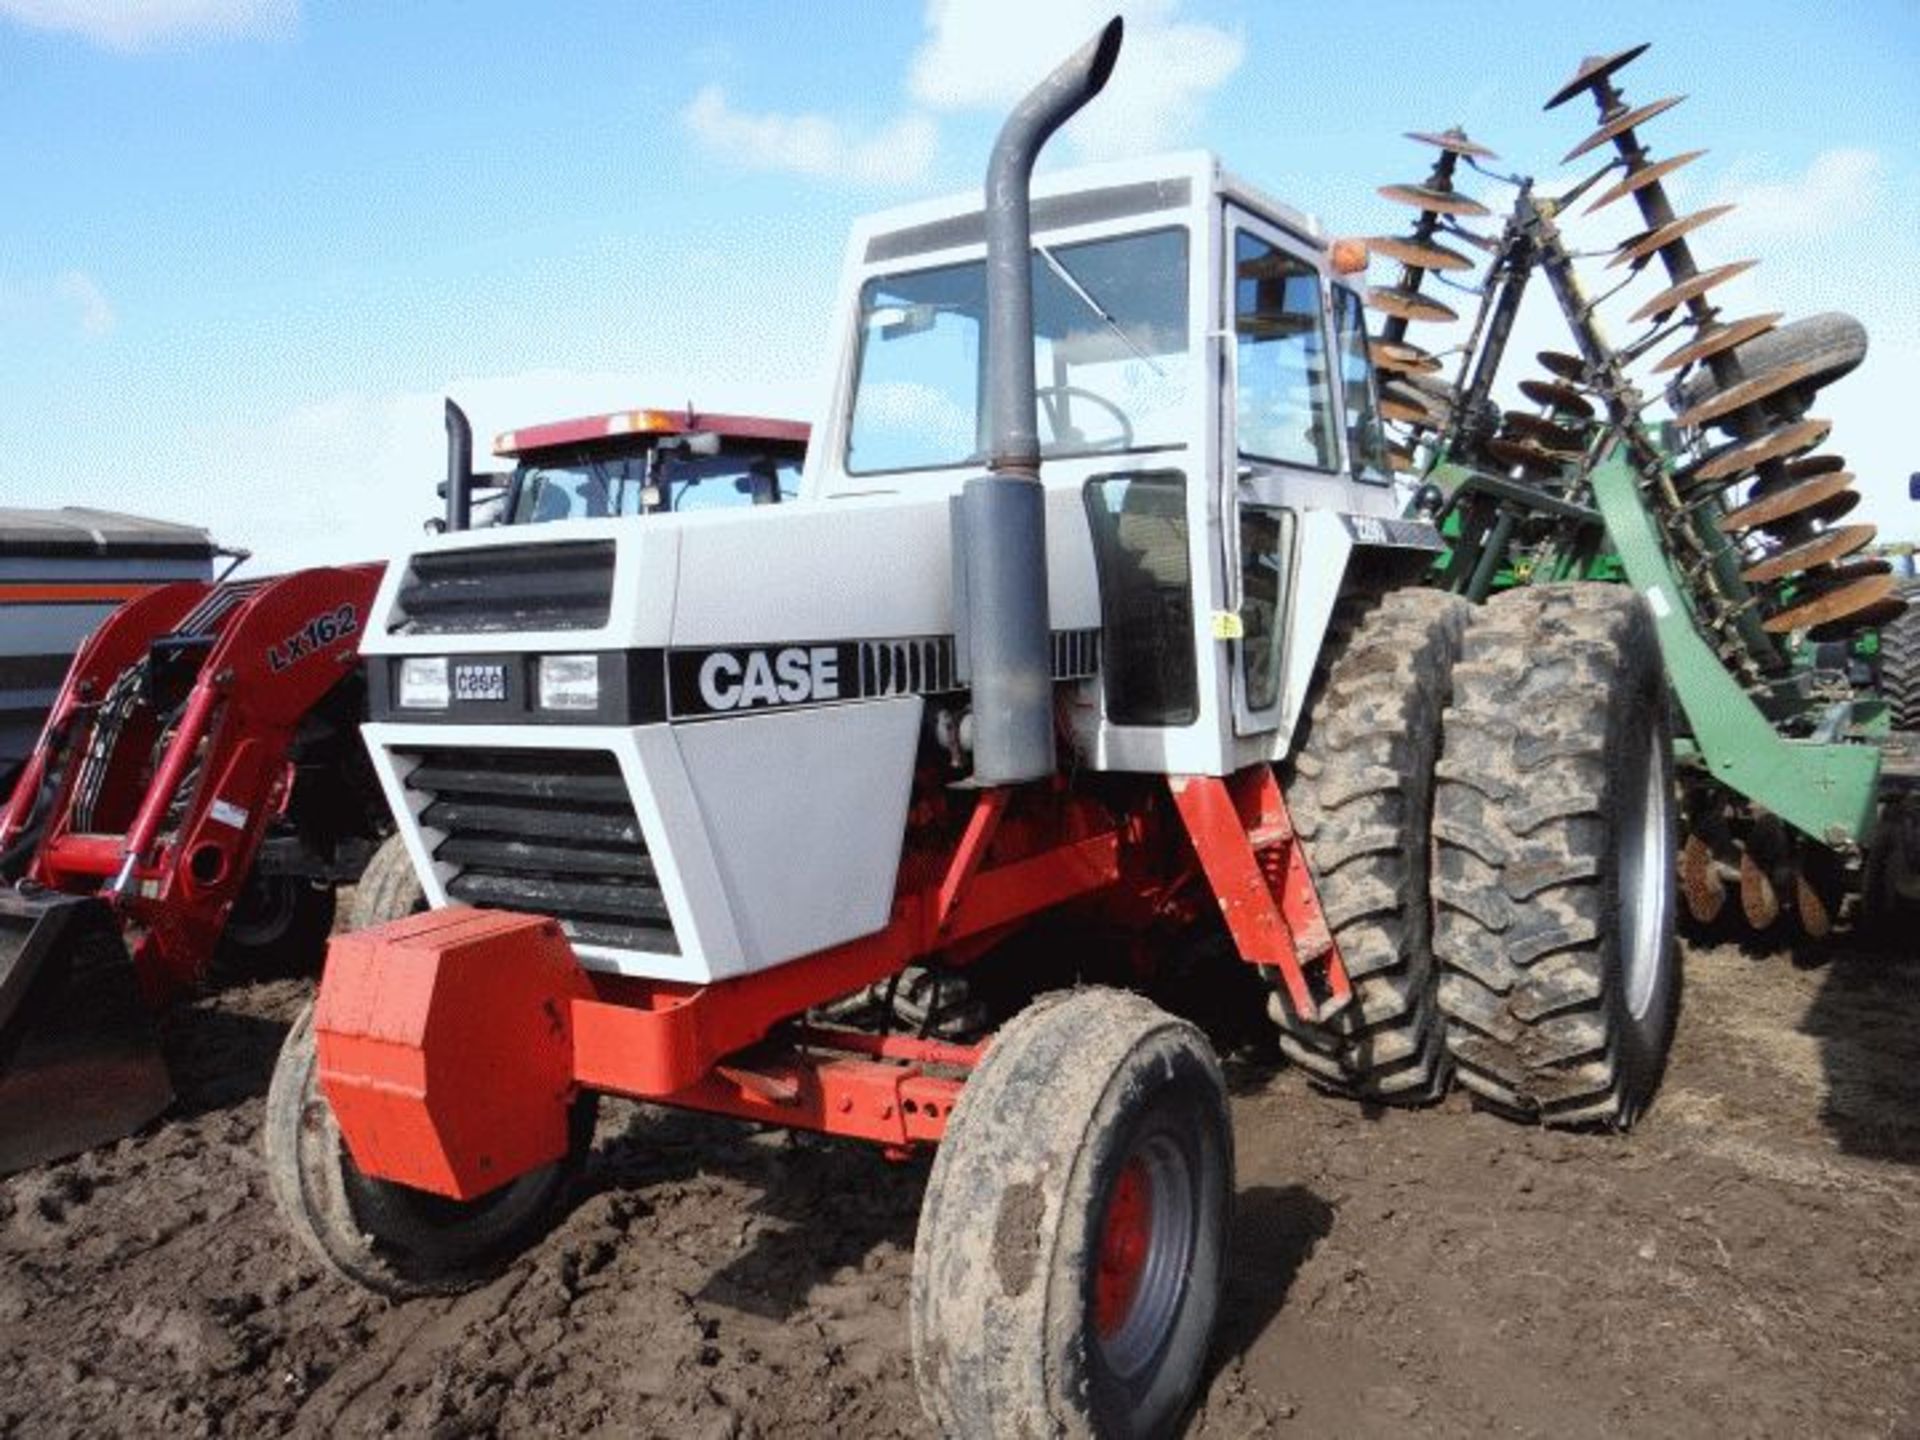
(423, 683)
(569, 682)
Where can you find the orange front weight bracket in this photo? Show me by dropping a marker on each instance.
(1253, 862)
(445, 1047)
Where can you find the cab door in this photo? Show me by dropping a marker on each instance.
(1282, 444)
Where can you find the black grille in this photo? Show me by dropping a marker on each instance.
(565, 585)
(550, 831)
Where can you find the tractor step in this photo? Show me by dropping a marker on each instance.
(80, 1062)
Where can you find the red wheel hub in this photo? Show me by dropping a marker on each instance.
(1125, 1238)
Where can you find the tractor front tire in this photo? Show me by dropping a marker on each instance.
(1555, 863)
(1067, 1271)
(388, 889)
(1360, 789)
(390, 1238)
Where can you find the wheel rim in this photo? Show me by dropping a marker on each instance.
(1145, 1249)
(1646, 880)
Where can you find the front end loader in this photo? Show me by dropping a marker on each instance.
(196, 792)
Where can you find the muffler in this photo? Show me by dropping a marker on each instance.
(1001, 518)
(80, 1060)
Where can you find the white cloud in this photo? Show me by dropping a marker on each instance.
(83, 293)
(900, 153)
(984, 54)
(1838, 188)
(134, 24)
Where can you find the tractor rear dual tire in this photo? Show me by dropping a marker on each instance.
(1555, 864)
(1360, 788)
(1067, 1270)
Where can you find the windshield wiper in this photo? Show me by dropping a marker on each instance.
(1068, 279)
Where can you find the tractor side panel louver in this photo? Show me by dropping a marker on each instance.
(548, 831)
(566, 585)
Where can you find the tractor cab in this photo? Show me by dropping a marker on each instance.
(1208, 433)
(647, 462)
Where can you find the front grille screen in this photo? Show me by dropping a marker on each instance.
(547, 831)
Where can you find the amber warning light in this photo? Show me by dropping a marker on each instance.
(1349, 256)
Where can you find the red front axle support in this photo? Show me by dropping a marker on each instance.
(451, 1044)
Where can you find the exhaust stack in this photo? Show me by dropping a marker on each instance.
(1001, 519)
(459, 469)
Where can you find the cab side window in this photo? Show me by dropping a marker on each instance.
(1284, 404)
(1366, 443)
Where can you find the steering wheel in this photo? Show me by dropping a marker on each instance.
(1063, 435)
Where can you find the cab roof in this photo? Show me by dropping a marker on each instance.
(776, 434)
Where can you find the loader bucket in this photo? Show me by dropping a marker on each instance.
(80, 1062)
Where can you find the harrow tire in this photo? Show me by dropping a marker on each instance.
(1900, 662)
(1067, 1270)
(1833, 341)
(388, 889)
(391, 1239)
(1360, 787)
(1555, 858)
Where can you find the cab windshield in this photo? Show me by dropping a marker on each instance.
(1112, 365)
(584, 486)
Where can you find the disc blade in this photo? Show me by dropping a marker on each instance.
(1643, 176)
(1543, 432)
(1531, 458)
(1422, 255)
(1436, 202)
(1409, 305)
(1735, 459)
(1844, 603)
(1399, 356)
(1406, 412)
(1716, 338)
(1641, 246)
(1747, 392)
(1592, 71)
(1829, 578)
(1834, 507)
(1620, 124)
(1823, 549)
(1454, 141)
(1690, 288)
(1568, 367)
(1411, 404)
(1559, 398)
(1795, 499)
(1815, 465)
(1882, 612)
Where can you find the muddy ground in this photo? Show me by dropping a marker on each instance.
(1747, 1262)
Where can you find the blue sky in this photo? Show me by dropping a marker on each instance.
(251, 241)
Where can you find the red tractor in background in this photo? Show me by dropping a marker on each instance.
(200, 790)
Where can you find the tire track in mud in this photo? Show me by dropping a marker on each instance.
(1748, 1261)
